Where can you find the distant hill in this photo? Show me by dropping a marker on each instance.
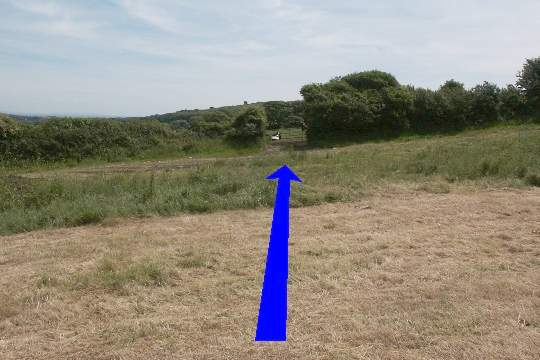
(186, 115)
(29, 118)
(278, 113)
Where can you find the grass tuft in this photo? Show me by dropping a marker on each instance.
(533, 180)
(116, 274)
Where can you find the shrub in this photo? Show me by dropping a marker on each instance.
(277, 112)
(293, 121)
(456, 105)
(280, 113)
(485, 103)
(371, 80)
(529, 83)
(356, 104)
(398, 103)
(212, 124)
(88, 216)
(533, 180)
(8, 126)
(512, 102)
(428, 111)
(64, 139)
(249, 126)
(336, 108)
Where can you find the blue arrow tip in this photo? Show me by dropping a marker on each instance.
(284, 173)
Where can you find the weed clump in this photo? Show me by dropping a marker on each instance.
(115, 274)
(533, 180)
(47, 281)
(88, 216)
(488, 168)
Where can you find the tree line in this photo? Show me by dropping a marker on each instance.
(359, 105)
(374, 103)
(217, 122)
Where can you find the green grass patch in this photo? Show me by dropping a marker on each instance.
(115, 274)
(218, 148)
(506, 156)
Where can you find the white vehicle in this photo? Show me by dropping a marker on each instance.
(276, 136)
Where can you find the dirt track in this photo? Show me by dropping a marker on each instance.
(401, 276)
(130, 167)
(142, 166)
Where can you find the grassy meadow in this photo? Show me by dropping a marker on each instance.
(506, 156)
(500, 156)
(194, 149)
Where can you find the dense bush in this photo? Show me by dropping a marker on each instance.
(456, 105)
(63, 139)
(358, 103)
(249, 126)
(485, 104)
(397, 102)
(280, 113)
(371, 80)
(529, 83)
(512, 102)
(336, 108)
(293, 122)
(8, 127)
(428, 111)
(211, 124)
(374, 104)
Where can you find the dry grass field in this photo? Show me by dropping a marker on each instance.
(400, 275)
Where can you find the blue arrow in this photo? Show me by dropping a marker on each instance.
(272, 322)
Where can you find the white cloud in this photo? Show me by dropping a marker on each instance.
(152, 13)
(47, 8)
(186, 53)
(55, 18)
(72, 28)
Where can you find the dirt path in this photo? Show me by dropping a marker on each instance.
(131, 167)
(399, 276)
(152, 165)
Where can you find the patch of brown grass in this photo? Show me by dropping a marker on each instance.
(405, 275)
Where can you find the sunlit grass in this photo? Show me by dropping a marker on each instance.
(499, 156)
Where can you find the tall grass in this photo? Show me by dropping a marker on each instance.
(195, 148)
(502, 155)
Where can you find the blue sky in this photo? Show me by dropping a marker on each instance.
(140, 57)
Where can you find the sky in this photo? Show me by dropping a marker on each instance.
(142, 57)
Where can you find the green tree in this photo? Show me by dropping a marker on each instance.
(529, 83)
(293, 121)
(428, 111)
(336, 108)
(370, 80)
(485, 103)
(398, 102)
(211, 124)
(456, 105)
(512, 102)
(249, 126)
(276, 113)
(366, 103)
